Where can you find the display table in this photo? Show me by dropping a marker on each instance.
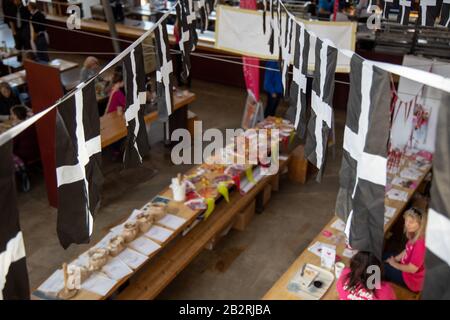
(186, 241)
(113, 126)
(280, 291)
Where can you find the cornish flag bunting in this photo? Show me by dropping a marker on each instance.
(78, 166)
(403, 13)
(264, 15)
(445, 14)
(429, 10)
(186, 44)
(136, 146)
(271, 27)
(363, 171)
(297, 102)
(13, 268)
(164, 72)
(388, 4)
(320, 122)
(437, 238)
(286, 53)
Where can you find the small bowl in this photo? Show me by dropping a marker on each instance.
(157, 211)
(116, 245)
(130, 231)
(145, 221)
(97, 258)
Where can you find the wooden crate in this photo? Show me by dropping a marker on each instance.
(244, 217)
(298, 165)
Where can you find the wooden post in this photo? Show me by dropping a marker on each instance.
(111, 24)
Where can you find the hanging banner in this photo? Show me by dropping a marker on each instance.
(251, 65)
(230, 36)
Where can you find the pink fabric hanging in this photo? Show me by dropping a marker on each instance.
(251, 65)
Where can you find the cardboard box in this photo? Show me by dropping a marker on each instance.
(244, 217)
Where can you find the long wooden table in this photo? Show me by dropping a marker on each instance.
(177, 251)
(113, 126)
(279, 290)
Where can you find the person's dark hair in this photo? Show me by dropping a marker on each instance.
(358, 275)
(117, 77)
(20, 111)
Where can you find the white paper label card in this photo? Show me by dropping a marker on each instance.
(144, 245)
(98, 284)
(327, 256)
(172, 222)
(116, 269)
(338, 225)
(348, 253)
(54, 283)
(389, 211)
(159, 233)
(132, 258)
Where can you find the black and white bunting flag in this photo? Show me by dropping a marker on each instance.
(201, 8)
(403, 13)
(78, 166)
(321, 119)
(280, 31)
(437, 238)
(363, 171)
(264, 15)
(191, 17)
(445, 14)
(164, 70)
(388, 4)
(187, 40)
(13, 267)
(297, 101)
(271, 27)
(429, 10)
(286, 54)
(136, 146)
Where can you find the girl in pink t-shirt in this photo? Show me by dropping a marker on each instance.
(117, 99)
(355, 282)
(407, 268)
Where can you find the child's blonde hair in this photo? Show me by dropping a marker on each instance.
(420, 217)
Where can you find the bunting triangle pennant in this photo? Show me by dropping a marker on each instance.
(78, 166)
(13, 268)
(136, 146)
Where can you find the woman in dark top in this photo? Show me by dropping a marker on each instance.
(7, 99)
